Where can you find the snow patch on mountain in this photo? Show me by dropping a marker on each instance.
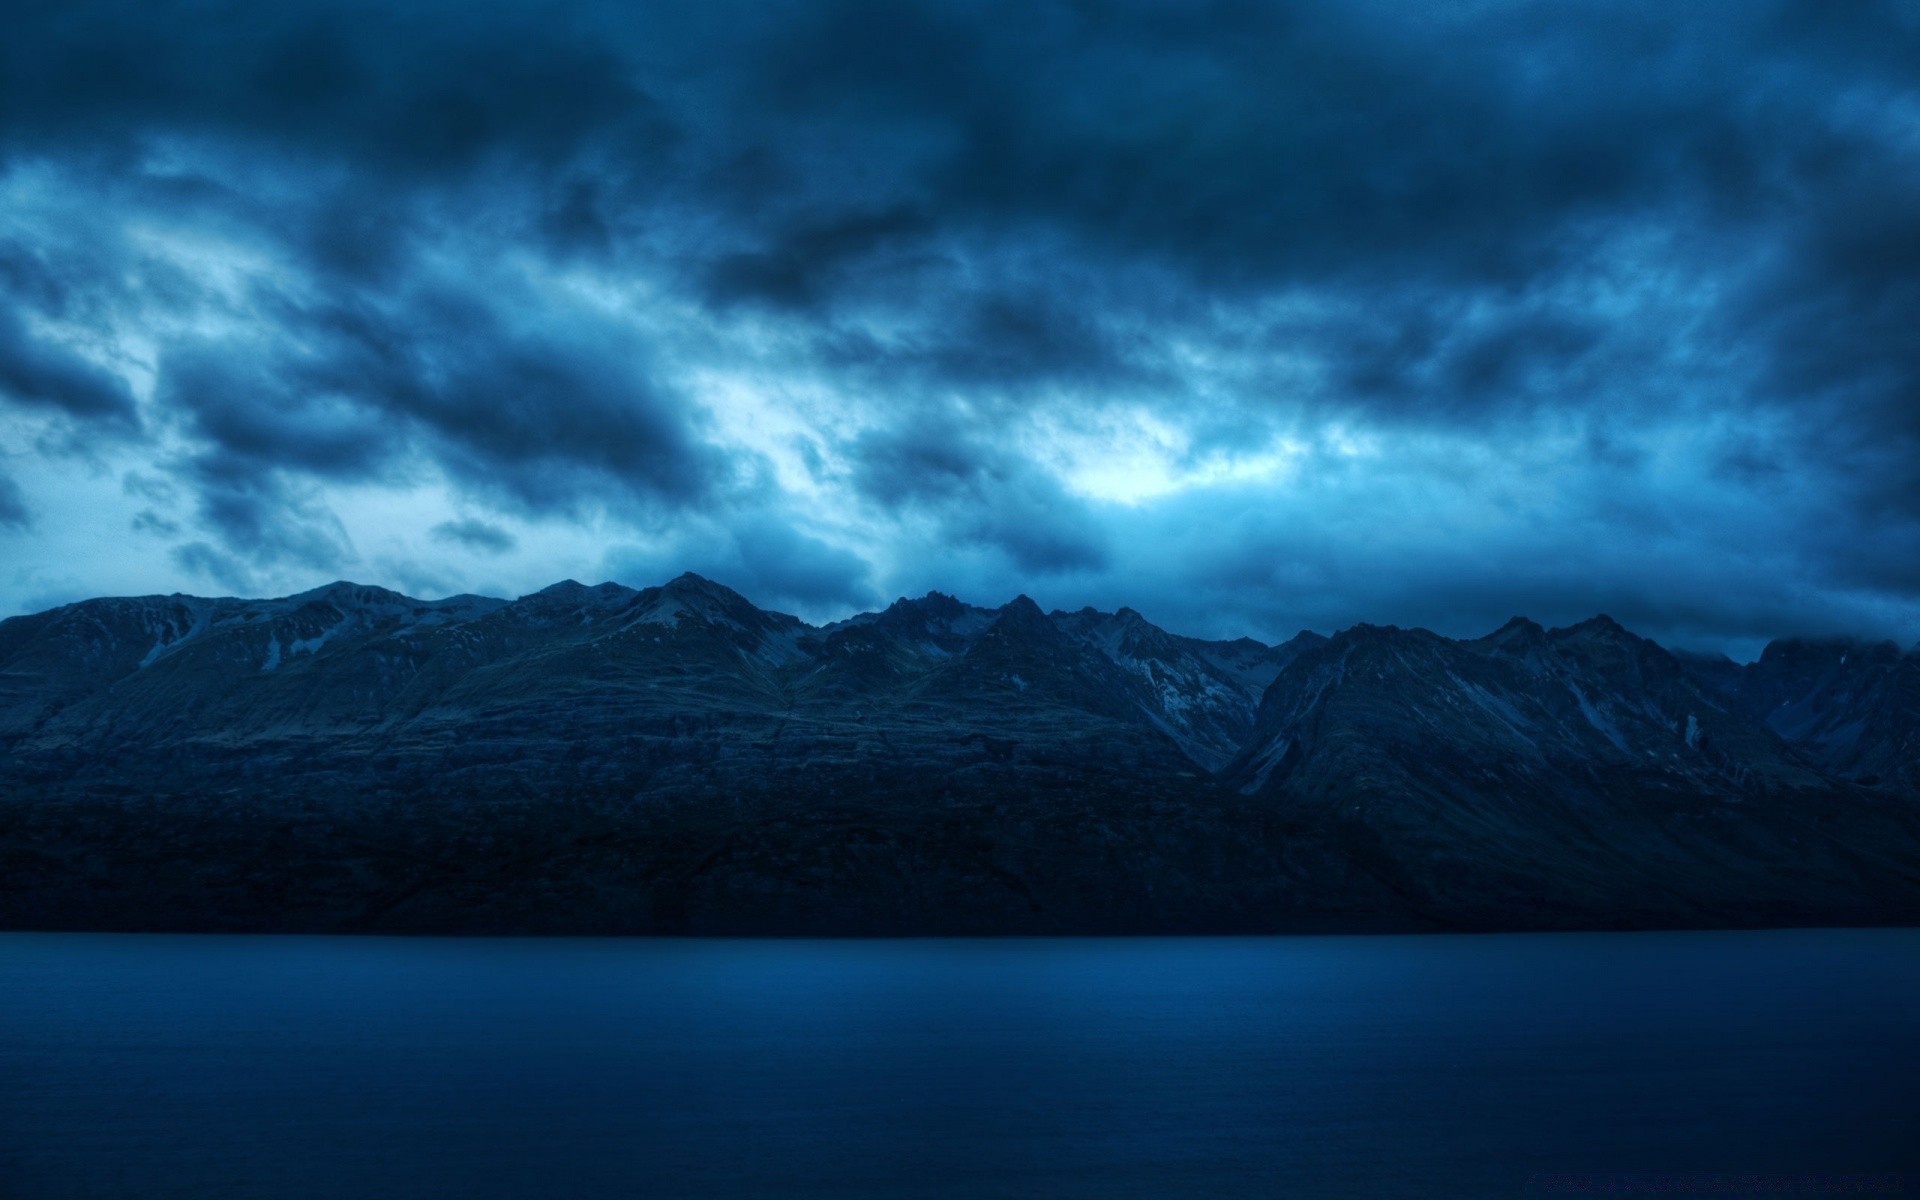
(171, 634)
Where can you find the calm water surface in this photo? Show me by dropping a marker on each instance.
(205, 1067)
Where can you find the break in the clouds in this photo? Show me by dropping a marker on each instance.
(1254, 316)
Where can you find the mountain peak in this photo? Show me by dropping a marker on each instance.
(1022, 616)
(933, 604)
(1368, 632)
(345, 590)
(1598, 625)
(688, 584)
(572, 591)
(1517, 632)
(691, 593)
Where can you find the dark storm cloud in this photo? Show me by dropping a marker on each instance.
(1250, 143)
(1450, 359)
(978, 493)
(542, 415)
(1444, 184)
(246, 404)
(1255, 142)
(539, 405)
(151, 522)
(499, 245)
(422, 89)
(1010, 339)
(14, 513)
(267, 519)
(475, 535)
(40, 375)
(27, 276)
(346, 142)
(1837, 316)
(806, 262)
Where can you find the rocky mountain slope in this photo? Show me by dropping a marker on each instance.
(1569, 771)
(677, 759)
(1852, 707)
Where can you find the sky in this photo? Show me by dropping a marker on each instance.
(1253, 316)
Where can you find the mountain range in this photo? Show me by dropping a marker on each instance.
(676, 759)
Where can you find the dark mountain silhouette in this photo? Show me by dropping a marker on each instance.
(674, 759)
(1578, 770)
(1853, 707)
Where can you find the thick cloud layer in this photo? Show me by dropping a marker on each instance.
(1252, 315)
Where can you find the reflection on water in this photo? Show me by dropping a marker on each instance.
(150, 1066)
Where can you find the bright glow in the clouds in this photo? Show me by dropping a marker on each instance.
(1133, 456)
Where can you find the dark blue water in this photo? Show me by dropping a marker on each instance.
(204, 1067)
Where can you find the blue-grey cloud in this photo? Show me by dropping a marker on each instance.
(1523, 305)
(209, 562)
(415, 91)
(36, 374)
(978, 492)
(475, 534)
(14, 514)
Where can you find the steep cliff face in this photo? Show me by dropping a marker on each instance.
(1852, 706)
(1202, 694)
(1570, 709)
(675, 758)
(1567, 772)
(153, 668)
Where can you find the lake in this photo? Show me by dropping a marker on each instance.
(216, 1066)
